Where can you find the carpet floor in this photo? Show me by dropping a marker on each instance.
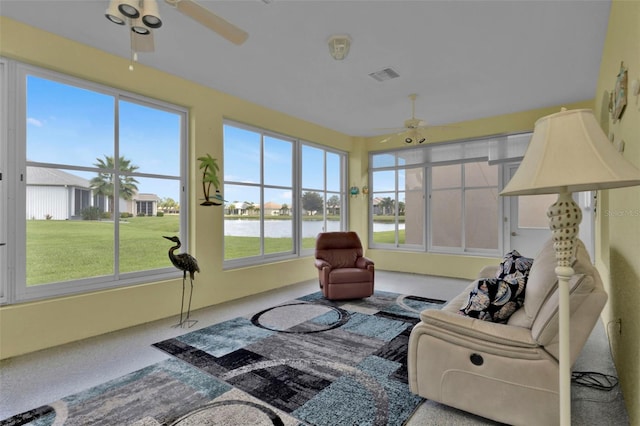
(307, 361)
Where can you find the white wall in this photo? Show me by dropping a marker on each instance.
(47, 200)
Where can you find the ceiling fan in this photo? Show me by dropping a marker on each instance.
(412, 132)
(143, 17)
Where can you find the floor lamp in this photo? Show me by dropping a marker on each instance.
(568, 153)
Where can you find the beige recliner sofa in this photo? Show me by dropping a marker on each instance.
(505, 372)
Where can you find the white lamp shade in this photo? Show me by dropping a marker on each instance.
(569, 152)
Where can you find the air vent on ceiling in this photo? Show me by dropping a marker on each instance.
(384, 74)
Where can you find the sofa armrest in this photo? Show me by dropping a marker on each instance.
(364, 263)
(321, 264)
(460, 326)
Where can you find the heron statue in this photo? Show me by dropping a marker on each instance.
(186, 263)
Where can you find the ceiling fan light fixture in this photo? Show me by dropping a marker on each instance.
(129, 8)
(339, 46)
(138, 27)
(113, 14)
(150, 14)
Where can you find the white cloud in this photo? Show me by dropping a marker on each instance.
(35, 122)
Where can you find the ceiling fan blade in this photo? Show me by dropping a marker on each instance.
(142, 42)
(210, 20)
(388, 138)
(389, 129)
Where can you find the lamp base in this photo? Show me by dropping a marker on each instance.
(564, 221)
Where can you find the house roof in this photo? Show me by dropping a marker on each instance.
(54, 177)
(146, 197)
(272, 206)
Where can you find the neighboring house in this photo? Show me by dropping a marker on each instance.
(376, 206)
(272, 209)
(54, 194)
(141, 204)
(238, 208)
(58, 195)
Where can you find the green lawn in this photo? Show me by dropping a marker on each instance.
(67, 250)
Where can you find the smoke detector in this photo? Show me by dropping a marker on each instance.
(339, 46)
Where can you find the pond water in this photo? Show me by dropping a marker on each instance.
(282, 228)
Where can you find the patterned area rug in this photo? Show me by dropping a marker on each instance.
(321, 362)
(305, 362)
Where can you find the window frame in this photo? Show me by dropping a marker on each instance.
(19, 291)
(343, 191)
(463, 188)
(498, 150)
(396, 169)
(5, 232)
(296, 199)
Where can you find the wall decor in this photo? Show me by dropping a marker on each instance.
(619, 94)
(210, 168)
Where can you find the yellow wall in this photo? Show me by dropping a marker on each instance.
(618, 250)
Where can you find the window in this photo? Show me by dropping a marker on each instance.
(322, 193)
(94, 166)
(464, 207)
(398, 207)
(441, 197)
(280, 193)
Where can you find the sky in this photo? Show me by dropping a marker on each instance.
(72, 126)
(67, 125)
(243, 167)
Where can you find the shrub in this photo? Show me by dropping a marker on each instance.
(160, 214)
(90, 213)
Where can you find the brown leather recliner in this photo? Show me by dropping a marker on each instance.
(344, 272)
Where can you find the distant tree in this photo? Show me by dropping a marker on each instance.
(103, 184)
(169, 205)
(312, 202)
(284, 209)
(386, 205)
(333, 203)
(250, 207)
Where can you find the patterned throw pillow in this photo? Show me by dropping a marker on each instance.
(495, 299)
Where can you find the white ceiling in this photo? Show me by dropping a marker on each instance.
(464, 59)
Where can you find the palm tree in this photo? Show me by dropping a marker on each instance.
(386, 205)
(103, 184)
(249, 206)
(209, 177)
